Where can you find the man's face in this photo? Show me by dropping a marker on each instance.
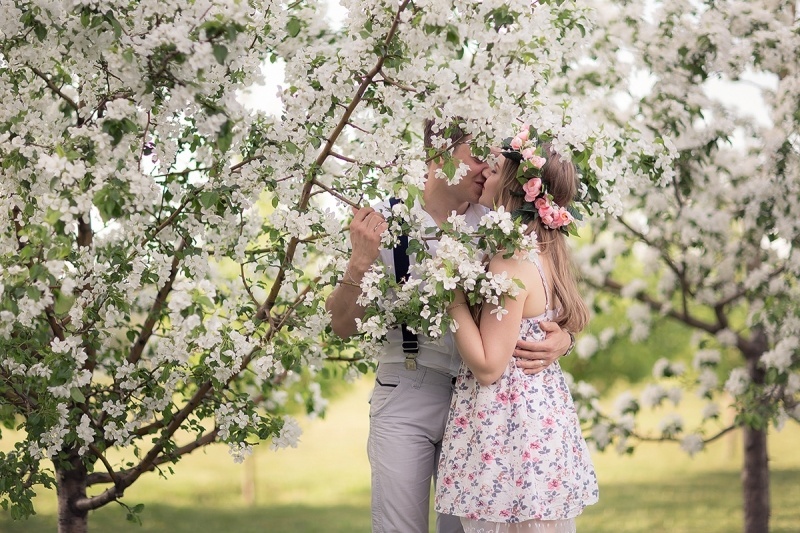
(470, 188)
(491, 187)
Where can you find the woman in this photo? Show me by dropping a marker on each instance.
(513, 457)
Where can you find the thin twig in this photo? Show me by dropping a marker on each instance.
(335, 194)
(55, 89)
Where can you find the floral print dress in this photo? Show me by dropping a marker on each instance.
(513, 450)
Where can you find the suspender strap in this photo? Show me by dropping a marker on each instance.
(401, 266)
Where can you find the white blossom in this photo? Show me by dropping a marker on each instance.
(692, 444)
(737, 382)
(289, 435)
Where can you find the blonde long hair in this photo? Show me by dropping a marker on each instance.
(561, 179)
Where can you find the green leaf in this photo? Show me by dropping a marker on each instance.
(449, 168)
(209, 198)
(220, 53)
(293, 27)
(41, 32)
(63, 303)
(115, 25)
(76, 394)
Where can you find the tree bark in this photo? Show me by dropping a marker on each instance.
(71, 487)
(755, 471)
(755, 481)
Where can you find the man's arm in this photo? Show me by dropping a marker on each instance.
(365, 239)
(533, 356)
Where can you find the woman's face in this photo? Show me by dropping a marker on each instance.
(491, 188)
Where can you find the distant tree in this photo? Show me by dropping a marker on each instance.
(717, 242)
(144, 294)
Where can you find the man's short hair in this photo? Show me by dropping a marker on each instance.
(452, 132)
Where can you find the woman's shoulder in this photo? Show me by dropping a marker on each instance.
(520, 265)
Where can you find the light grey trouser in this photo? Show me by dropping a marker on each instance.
(408, 413)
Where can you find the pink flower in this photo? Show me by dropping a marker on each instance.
(564, 217)
(532, 188)
(528, 154)
(516, 143)
(553, 484)
(537, 161)
(524, 132)
(547, 218)
(502, 397)
(541, 203)
(487, 457)
(448, 481)
(461, 421)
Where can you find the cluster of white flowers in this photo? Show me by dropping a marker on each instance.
(705, 358)
(625, 403)
(692, 444)
(652, 395)
(240, 451)
(738, 381)
(783, 355)
(666, 368)
(228, 416)
(289, 436)
(671, 425)
(707, 381)
(317, 403)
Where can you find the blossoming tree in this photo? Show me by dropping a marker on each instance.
(164, 251)
(717, 243)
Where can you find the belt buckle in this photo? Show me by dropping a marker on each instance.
(411, 363)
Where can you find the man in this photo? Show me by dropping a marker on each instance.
(410, 402)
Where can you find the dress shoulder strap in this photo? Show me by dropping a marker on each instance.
(544, 282)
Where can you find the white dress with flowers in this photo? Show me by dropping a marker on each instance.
(513, 451)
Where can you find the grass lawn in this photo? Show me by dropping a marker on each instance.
(323, 486)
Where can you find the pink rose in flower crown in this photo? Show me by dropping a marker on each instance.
(524, 132)
(528, 154)
(565, 217)
(532, 188)
(546, 211)
(516, 143)
(537, 161)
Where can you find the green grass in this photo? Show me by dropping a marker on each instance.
(323, 486)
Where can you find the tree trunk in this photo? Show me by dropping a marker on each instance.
(755, 481)
(755, 471)
(70, 487)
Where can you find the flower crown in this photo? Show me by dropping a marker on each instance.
(524, 149)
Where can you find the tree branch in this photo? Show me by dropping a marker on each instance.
(291, 248)
(56, 90)
(662, 252)
(658, 306)
(126, 478)
(152, 317)
(335, 194)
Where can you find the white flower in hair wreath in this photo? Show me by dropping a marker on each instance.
(526, 149)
